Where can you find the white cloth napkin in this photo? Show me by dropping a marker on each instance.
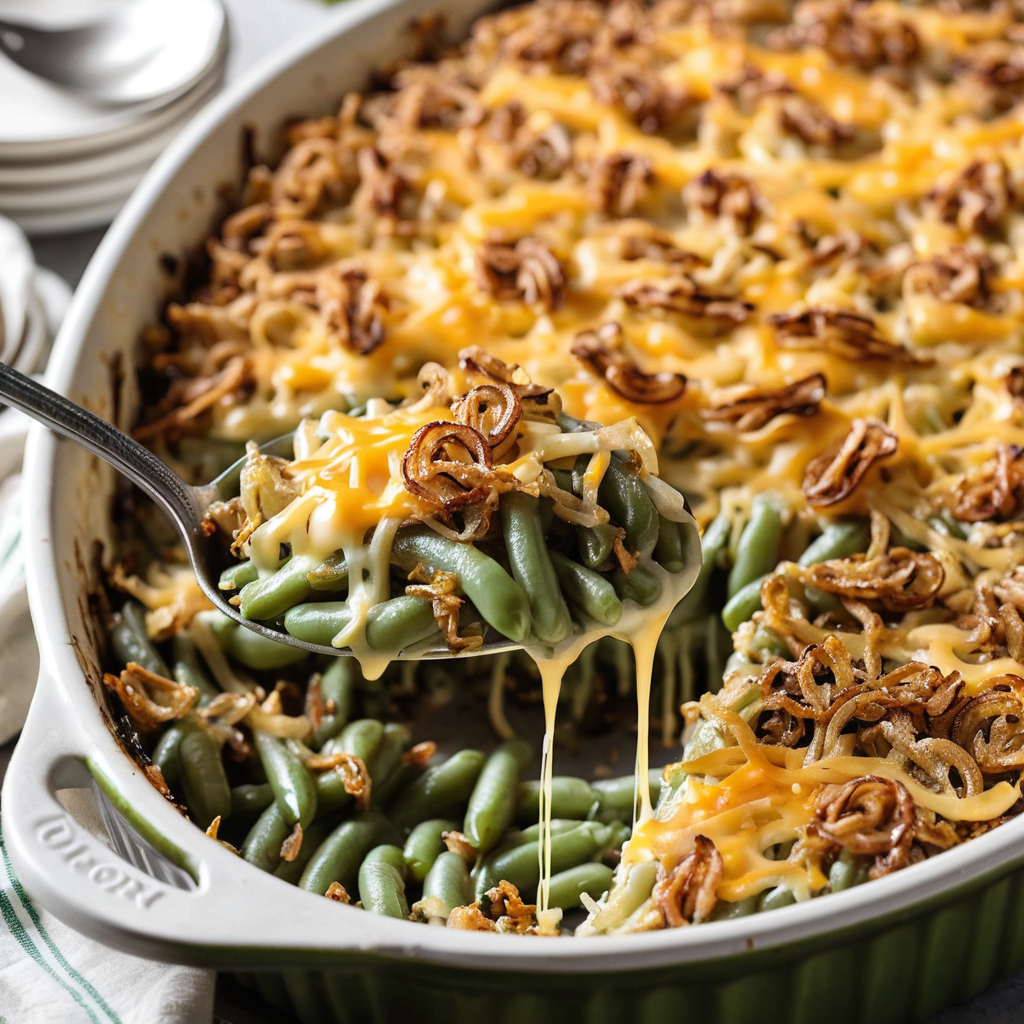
(50, 974)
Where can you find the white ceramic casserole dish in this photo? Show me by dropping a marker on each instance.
(874, 953)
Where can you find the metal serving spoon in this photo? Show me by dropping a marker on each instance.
(186, 505)
(139, 51)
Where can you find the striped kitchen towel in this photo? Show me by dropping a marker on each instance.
(50, 974)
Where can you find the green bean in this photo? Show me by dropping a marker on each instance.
(251, 799)
(780, 896)
(388, 853)
(262, 846)
(758, 550)
(342, 852)
(521, 864)
(725, 911)
(498, 598)
(447, 784)
(526, 548)
(617, 795)
(206, 788)
(399, 623)
(188, 667)
(567, 887)
(387, 770)
(131, 642)
(595, 543)
(234, 577)
(838, 540)
(587, 590)
(293, 785)
(313, 838)
(252, 649)
(166, 753)
(847, 870)
(492, 804)
(390, 626)
(331, 575)
(533, 832)
(639, 584)
(361, 737)
(570, 798)
(448, 882)
(273, 595)
(668, 552)
(712, 543)
(768, 641)
(621, 833)
(741, 606)
(623, 494)
(425, 844)
(382, 890)
(337, 691)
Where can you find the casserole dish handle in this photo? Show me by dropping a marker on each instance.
(210, 902)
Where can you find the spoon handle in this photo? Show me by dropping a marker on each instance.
(101, 438)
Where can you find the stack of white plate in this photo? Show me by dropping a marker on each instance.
(67, 164)
(32, 304)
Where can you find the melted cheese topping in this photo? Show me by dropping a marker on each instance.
(878, 211)
(749, 798)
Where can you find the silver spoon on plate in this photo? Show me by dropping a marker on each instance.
(137, 52)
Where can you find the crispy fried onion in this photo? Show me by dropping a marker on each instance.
(805, 119)
(958, 275)
(991, 726)
(976, 199)
(600, 350)
(439, 590)
(726, 196)
(568, 506)
(292, 845)
(524, 271)
(493, 411)
(871, 816)
(863, 35)
(151, 700)
(620, 182)
(808, 689)
(172, 599)
(994, 490)
(355, 776)
(833, 476)
(501, 909)
(937, 758)
(900, 579)
(756, 409)
(538, 402)
(196, 396)
(841, 333)
(689, 892)
(681, 294)
(222, 715)
(825, 688)
(450, 467)
(337, 892)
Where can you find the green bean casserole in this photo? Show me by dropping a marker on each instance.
(516, 304)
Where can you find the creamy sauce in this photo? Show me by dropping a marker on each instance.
(640, 628)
